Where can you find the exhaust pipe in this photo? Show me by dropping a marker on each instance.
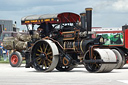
(124, 27)
(83, 21)
(89, 20)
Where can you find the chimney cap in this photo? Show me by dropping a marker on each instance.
(88, 9)
(83, 14)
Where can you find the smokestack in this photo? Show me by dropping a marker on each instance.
(89, 19)
(83, 21)
(124, 27)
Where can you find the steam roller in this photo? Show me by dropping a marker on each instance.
(102, 60)
(45, 55)
(70, 43)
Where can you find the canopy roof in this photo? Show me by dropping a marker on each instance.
(66, 17)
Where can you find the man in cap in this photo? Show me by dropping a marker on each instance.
(45, 29)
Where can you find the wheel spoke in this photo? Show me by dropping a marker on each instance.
(38, 59)
(49, 49)
(42, 63)
(49, 53)
(39, 50)
(45, 49)
(39, 62)
(37, 54)
(50, 57)
(49, 61)
(45, 64)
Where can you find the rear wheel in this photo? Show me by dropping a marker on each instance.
(44, 55)
(106, 55)
(15, 59)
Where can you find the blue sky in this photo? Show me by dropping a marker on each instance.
(106, 13)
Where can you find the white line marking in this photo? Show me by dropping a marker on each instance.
(124, 81)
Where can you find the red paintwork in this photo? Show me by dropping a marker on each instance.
(68, 17)
(14, 59)
(109, 32)
(126, 38)
(127, 61)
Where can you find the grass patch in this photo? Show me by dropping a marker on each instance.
(2, 60)
(7, 61)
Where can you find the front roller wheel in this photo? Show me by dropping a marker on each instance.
(44, 55)
(106, 55)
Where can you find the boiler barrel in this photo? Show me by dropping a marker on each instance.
(81, 46)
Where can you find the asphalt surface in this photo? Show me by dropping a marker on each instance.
(78, 76)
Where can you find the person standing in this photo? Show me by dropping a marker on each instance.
(5, 54)
(1, 52)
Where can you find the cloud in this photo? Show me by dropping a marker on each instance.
(103, 6)
(106, 13)
(16, 5)
(120, 5)
(111, 6)
(62, 0)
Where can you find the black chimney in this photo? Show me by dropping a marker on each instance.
(83, 21)
(89, 20)
(124, 27)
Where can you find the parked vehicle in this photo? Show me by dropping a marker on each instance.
(7, 41)
(117, 40)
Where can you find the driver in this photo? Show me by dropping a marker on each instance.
(40, 30)
(45, 29)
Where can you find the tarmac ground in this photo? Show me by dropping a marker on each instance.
(78, 76)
